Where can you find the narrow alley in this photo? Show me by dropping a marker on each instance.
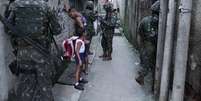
(100, 50)
(115, 80)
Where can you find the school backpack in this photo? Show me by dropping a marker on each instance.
(69, 47)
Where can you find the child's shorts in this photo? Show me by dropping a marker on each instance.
(82, 57)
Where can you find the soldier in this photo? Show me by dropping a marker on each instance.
(108, 25)
(90, 16)
(148, 30)
(34, 20)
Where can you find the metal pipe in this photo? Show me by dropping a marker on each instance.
(168, 50)
(182, 47)
(160, 45)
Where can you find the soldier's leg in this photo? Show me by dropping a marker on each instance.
(103, 44)
(26, 87)
(43, 91)
(153, 63)
(27, 75)
(92, 33)
(89, 38)
(110, 45)
(34, 85)
(143, 62)
(106, 48)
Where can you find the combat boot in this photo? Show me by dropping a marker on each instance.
(107, 58)
(103, 56)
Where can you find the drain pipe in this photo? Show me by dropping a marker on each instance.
(182, 50)
(168, 50)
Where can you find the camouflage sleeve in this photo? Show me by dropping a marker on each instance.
(54, 25)
(11, 14)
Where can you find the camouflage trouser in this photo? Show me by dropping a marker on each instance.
(107, 41)
(147, 57)
(36, 86)
(89, 36)
(103, 44)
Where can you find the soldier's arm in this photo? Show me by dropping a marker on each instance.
(54, 25)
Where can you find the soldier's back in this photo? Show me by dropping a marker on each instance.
(31, 17)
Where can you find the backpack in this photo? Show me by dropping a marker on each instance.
(30, 17)
(69, 47)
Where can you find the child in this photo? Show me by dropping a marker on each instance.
(80, 61)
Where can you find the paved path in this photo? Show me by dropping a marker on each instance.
(109, 81)
(115, 80)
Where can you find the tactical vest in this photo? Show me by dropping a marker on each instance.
(30, 17)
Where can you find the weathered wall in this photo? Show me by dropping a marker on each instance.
(194, 67)
(131, 12)
(6, 78)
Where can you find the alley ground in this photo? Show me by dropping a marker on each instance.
(109, 81)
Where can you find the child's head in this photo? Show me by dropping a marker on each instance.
(72, 12)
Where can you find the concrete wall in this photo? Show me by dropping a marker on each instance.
(131, 12)
(194, 67)
(6, 78)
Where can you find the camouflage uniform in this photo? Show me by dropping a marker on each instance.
(89, 14)
(108, 25)
(148, 32)
(108, 32)
(35, 72)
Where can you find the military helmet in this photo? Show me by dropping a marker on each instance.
(156, 7)
(89, 4)
(108, 7)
